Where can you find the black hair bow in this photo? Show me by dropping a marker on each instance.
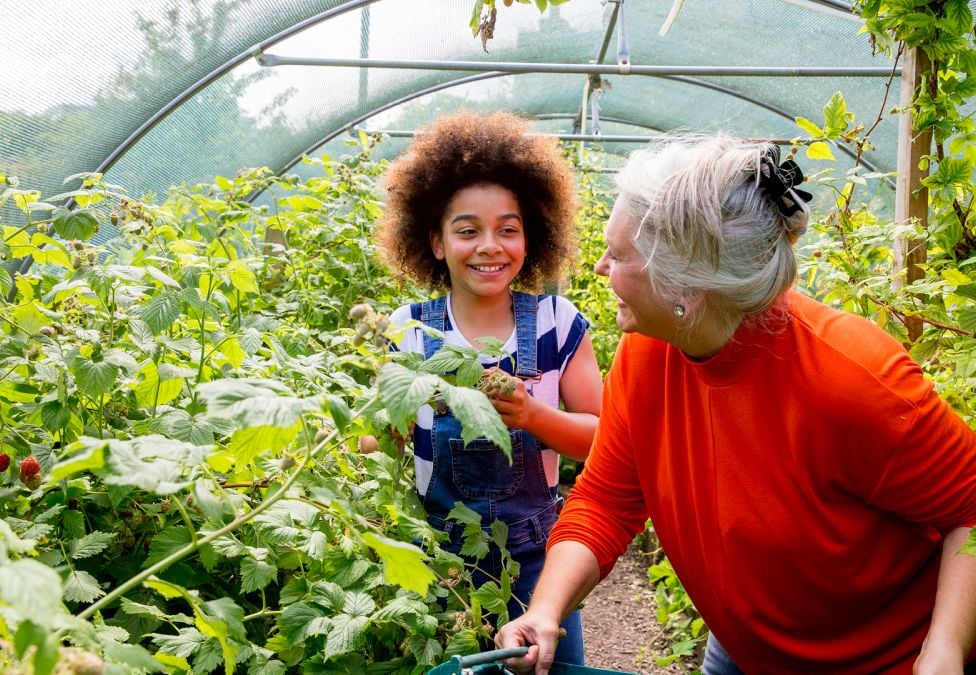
(777, 180)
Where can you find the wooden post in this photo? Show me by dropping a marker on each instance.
(911, 197)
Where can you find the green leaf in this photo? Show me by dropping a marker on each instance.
(475, 24)
(9, 541)
(404, 391)
(31, 590)
(835, 116)
(809, 127)
(247, 444)
(462, 643)
(255, 403)
(90, 544)
(80, 586)
(138, 609)
(186, 643)
(464, 514)
(166, 542)
(343, 635)
(94, 378)
(426, 650)
(478, 418)
(135, 657)
(6, 282)
(181, 425)
(89, 458)
(339, 412)
(403, 563)
(956, 277)
(256, 574)
(820, 150)
(153, 463)
(469, 373)
(55, 415)
(953, 172)
(296, 619)
(400, 607)
(448, 359)
(358, 603)
(161, 312)
(959, 16)
(77, 224)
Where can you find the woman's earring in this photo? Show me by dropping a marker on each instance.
(679, 310)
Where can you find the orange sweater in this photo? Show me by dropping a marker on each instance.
(800, 482)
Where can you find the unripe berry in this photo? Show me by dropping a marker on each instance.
(360, 311)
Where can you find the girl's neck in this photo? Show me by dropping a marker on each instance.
(479, 316)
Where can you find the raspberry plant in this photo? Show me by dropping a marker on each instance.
(183, 406)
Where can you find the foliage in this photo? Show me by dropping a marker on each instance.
(590, 292)
(193, 392)
(685, 628)
(852, 258)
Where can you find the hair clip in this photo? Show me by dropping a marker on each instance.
(778, 182)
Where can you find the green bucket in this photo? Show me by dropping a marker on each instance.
(492, 663)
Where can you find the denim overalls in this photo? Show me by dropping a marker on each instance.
(480, 476)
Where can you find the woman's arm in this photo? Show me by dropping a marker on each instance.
(953, 628)
(570, 573)
(569, 432)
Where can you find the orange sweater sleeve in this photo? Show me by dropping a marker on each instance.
(606, 509)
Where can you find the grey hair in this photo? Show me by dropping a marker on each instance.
(706, 232)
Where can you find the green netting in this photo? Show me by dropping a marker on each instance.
(85, 79)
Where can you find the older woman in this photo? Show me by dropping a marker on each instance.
(810, 488)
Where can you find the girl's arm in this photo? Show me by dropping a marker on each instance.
(569, 432)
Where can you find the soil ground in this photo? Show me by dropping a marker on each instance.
(620, 631)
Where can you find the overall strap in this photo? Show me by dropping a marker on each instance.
(526, 307)
(433, 313)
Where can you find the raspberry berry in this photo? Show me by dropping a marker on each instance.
(4, 462)
(30, 472)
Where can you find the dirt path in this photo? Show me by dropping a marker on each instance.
(619, 626)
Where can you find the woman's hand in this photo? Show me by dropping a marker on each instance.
(516, 409)
(939, 658)
(538, 633)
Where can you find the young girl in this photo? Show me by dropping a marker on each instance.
(475, 207)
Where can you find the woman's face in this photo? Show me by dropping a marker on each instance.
(638, 311)
(482, 240)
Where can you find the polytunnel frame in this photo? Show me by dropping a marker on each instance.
(490, 75)
(257, 52)
(623, 67)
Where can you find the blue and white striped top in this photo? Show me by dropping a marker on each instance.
(559, 330)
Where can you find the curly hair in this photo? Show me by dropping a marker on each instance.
(466, 149)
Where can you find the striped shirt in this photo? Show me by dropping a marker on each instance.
(559, 330)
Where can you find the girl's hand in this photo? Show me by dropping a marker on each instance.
(516, 409)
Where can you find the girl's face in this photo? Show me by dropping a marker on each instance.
(482, 240)
(638, 310)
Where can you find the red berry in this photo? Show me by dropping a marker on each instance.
(4, 462)
(29, 467)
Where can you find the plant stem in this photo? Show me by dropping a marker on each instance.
(173, 557)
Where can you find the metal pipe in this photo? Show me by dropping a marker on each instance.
(273, 60)
(485, 76)
(597, 138)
